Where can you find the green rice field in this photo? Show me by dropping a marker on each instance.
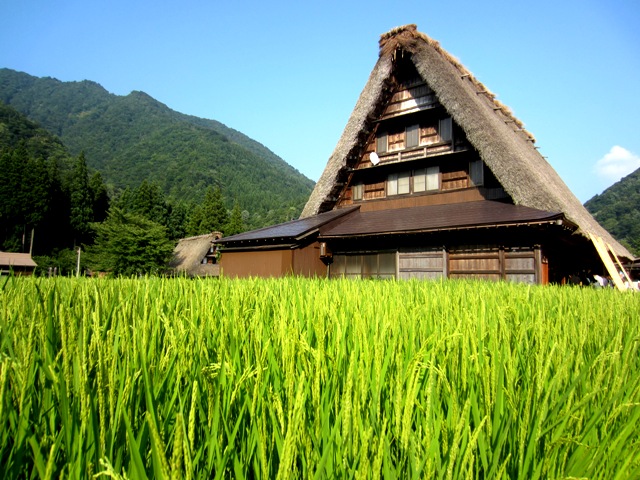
(316, 378)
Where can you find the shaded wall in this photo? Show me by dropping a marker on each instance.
(274, 263)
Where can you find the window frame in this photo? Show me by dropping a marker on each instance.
(415, 176)
(379, 265)
(476, 169)
(357, 191)
(433, 175)
(445, 130)
(412, 136)
(382, 142)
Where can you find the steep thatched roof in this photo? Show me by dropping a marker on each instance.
(188, 255)
(502, 143)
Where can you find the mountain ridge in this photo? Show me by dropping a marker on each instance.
(134, 137)
(618, 210)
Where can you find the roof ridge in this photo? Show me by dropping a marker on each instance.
(406, 38)
(196, 237)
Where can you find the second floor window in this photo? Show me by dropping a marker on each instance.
(421, 180)
(426, 179)
(399, 183)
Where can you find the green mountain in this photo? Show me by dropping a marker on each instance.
(41, 189)
(134, 138)
(618, 210)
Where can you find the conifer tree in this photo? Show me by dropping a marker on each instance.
(235, 224)
(99, 197)
(80, 197)
(149, 201)
(211, 215)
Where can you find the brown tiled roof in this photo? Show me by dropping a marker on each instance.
(284, 233)
(437, 217)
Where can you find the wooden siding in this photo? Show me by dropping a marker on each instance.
(514, 264)
(454, 180)
(274, 263)
(306, 261)
(429, 264)
(440, 198)
(494, 263)
(411, 97)
(261, 263)
(374, 191)
(475, 262)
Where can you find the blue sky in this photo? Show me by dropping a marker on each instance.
(288, 74)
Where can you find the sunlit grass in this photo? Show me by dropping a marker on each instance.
(299, 378)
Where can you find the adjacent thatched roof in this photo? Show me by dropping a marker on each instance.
(502, 143)
(188, 255)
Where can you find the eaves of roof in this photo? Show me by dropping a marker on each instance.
(432, 218)
(285, 235)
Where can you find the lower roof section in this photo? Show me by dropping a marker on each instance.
(431, 218)
(351, 222)
(16, 260)
(284, 235)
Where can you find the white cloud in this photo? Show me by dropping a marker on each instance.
(616, 164)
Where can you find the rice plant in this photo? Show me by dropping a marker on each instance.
(315, 378)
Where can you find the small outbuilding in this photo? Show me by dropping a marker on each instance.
(16, 263)
(197, 256)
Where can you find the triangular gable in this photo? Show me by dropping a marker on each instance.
(504, 146)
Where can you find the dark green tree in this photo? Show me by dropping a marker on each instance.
(25, 197)
(236, 223)
(176, 220)
(211, 215)
(130, 244)
(81, 214)
(149, 201)
(99, 197)
(11, 218)
(37, 192)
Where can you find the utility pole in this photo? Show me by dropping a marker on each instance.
(78, 265)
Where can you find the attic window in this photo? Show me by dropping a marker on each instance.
(445, 129)
(381, 142)
(476, 173)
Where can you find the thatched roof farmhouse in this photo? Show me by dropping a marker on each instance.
(432, 177)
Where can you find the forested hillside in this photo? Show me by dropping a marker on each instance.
(47, 198)
(618, 210)
(134, 138)
(54, 206)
